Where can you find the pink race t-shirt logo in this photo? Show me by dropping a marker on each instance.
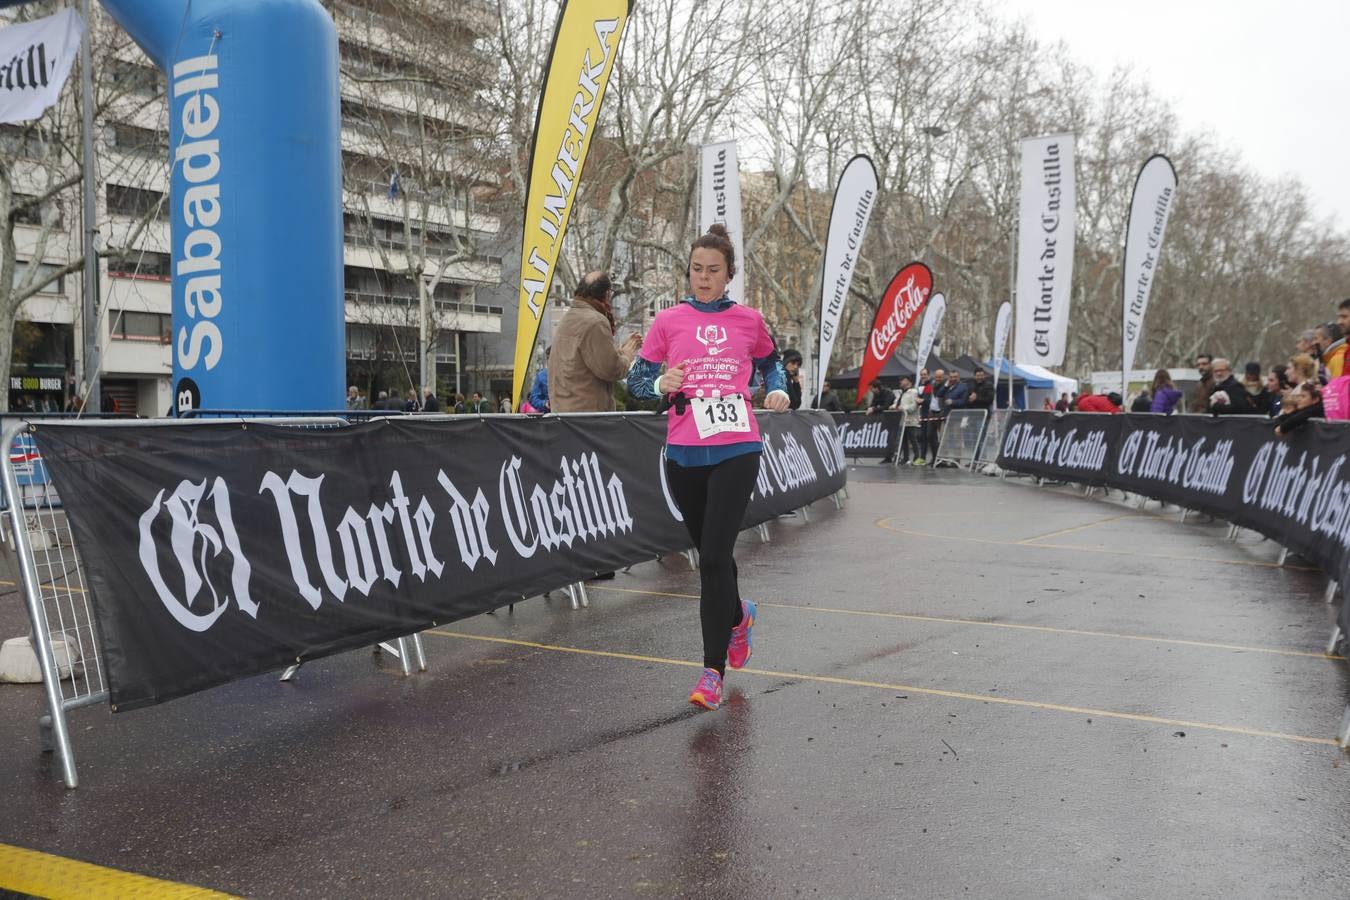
(712, 338)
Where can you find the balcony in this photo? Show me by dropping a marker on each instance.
(367, 308)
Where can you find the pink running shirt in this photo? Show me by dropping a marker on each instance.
(718, 350)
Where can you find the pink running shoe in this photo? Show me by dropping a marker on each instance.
(738, 648)
(708, 692)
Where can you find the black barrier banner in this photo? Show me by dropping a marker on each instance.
(1068, 448)
(217, 550)
(1294, 490)
(867, 436)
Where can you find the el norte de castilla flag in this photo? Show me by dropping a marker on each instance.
(35, 60)
(585, 45)
(1045, 244)
(854, 198)
(1155, 191)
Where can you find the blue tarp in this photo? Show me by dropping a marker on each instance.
(1033, 381)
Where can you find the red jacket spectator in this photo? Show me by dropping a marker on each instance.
(1097, 403)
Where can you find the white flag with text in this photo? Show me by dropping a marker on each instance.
(853, 201)
(1045, 240)
(720, 201)
(1001, 326)
(35, 60)
(932, 322)
(1155, 190)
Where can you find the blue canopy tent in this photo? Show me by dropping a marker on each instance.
(1022, 381)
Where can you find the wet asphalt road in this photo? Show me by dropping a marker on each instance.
(960, 687)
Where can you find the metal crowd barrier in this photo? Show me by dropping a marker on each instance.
(961, 433)
(51, 578)
(994, 429)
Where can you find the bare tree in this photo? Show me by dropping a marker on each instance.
(41, 176)
(416, 157)
(803, 86)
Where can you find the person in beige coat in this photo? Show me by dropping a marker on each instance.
(584, 363)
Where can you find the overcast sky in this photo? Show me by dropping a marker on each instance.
(1268, 79)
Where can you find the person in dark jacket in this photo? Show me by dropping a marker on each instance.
(982, 395)
(1165, 393)
(828, 399)
(1306, 403)
(881, 398)
(1277, 385)
(1204, 364)
(1228, 397)
(1142, 403)
(957, 395)
(1256, 388)
(792, 366)
(931, 411)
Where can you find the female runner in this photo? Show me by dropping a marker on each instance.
(711, 346)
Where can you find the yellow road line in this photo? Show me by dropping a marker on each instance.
(885, 524)
(1075, 529)
(914, 617)
(45, 875)
(906, 688)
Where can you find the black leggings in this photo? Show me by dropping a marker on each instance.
(712, 500)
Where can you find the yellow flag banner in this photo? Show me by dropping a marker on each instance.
(585, 45)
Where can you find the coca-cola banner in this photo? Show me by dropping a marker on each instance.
(1294, 490)
(897, 312)
(216, 550)
(863, 436)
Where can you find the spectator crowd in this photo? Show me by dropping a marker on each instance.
(926, 407)
(1312, 384)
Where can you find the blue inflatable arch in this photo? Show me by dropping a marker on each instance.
(255, 198)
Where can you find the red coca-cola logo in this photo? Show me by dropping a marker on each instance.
(907, 304)
(900, 306)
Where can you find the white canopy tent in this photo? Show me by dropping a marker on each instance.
(1036, 396)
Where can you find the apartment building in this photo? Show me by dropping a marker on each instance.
(415, 243)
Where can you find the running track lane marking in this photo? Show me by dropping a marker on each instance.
(885, 525)
(912, 617)
(45, 875)
(886, 686)
(1076, 528)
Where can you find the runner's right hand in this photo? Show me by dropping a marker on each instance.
(671, 382)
